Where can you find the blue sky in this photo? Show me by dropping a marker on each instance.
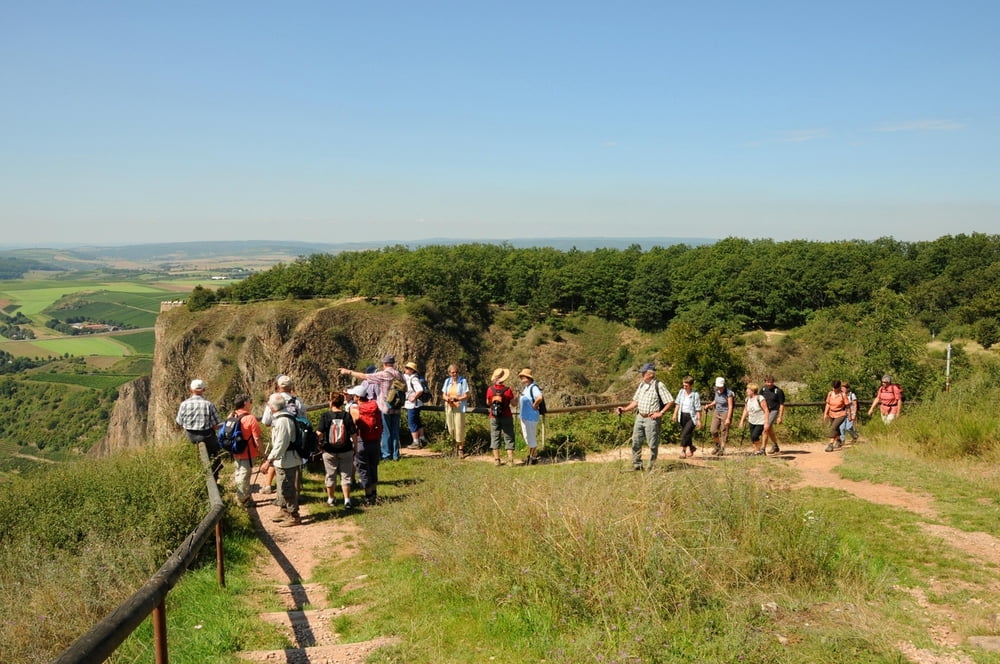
(130, 122)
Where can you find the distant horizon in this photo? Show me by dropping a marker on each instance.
(646, 242)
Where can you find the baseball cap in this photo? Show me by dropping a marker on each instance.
(648, 366)
(720, 382)
(389, 359)
(283, 380)
(887, 378)
(197, 384)
(357, 390)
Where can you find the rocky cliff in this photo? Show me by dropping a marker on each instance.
(241, 348)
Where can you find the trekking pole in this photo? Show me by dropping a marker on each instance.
(618, 437)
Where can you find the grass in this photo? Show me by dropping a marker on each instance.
(587, 563)
(80, 538)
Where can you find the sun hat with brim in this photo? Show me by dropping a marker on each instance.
(525, 373)
(197, 384)
(283, 380)
(410, 365)
(500, 375)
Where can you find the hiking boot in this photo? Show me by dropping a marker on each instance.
(829, 447)
(331, 502)
(267, 489)
(636, 466)
(348, 504)
(717, 450)
(839, 444)
(775, 450)
(292, 520)
(281, 516)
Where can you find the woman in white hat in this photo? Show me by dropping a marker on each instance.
(529, 414)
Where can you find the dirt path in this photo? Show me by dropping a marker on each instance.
(325, 531)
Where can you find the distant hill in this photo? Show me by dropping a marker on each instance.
(264, 253)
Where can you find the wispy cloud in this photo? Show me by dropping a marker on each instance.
(923, 125)
(794, 136)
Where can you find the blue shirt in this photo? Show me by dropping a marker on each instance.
(526, 405)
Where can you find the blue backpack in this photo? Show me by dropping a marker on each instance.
(231, 435)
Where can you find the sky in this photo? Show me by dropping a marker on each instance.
(135, 122)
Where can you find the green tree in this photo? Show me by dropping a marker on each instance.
(200, 298)
(701, 355)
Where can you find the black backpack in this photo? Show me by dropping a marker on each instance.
(306, 442)
(426, 397)
(231, 435)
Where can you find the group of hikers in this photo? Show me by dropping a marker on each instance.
(763, 409)
(361, 427)
(360, 430)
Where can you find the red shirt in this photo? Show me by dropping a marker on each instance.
(505, 394)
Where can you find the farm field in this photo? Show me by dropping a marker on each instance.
(80, 346)
(34, 296)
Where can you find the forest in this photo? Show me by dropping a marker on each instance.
(950, 285)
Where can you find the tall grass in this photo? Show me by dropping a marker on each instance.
(77, 540)
(588, 563)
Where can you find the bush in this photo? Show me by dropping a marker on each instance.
(79, 539)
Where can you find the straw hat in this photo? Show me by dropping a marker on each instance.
(500, 375)
(410, 365)
(525, 373)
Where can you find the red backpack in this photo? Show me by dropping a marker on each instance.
(369, 421)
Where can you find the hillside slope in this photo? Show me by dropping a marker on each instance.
(241, 348)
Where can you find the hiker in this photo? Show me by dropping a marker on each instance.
(284, 387)
(775, 397)
(415, 398)
(285, 460)
(651, 401)
(756, 412)
(688, 415)
(382, 382)
(200, 419)
(835, 409)
(368, 421)
(455, 392)
(338, 439)
(722, 416)
(498, 398)
(852, 415)
(244, 460)
(889, 399)
(529, 414)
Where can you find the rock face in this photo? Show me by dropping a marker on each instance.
(241, 348)
(127, 427)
